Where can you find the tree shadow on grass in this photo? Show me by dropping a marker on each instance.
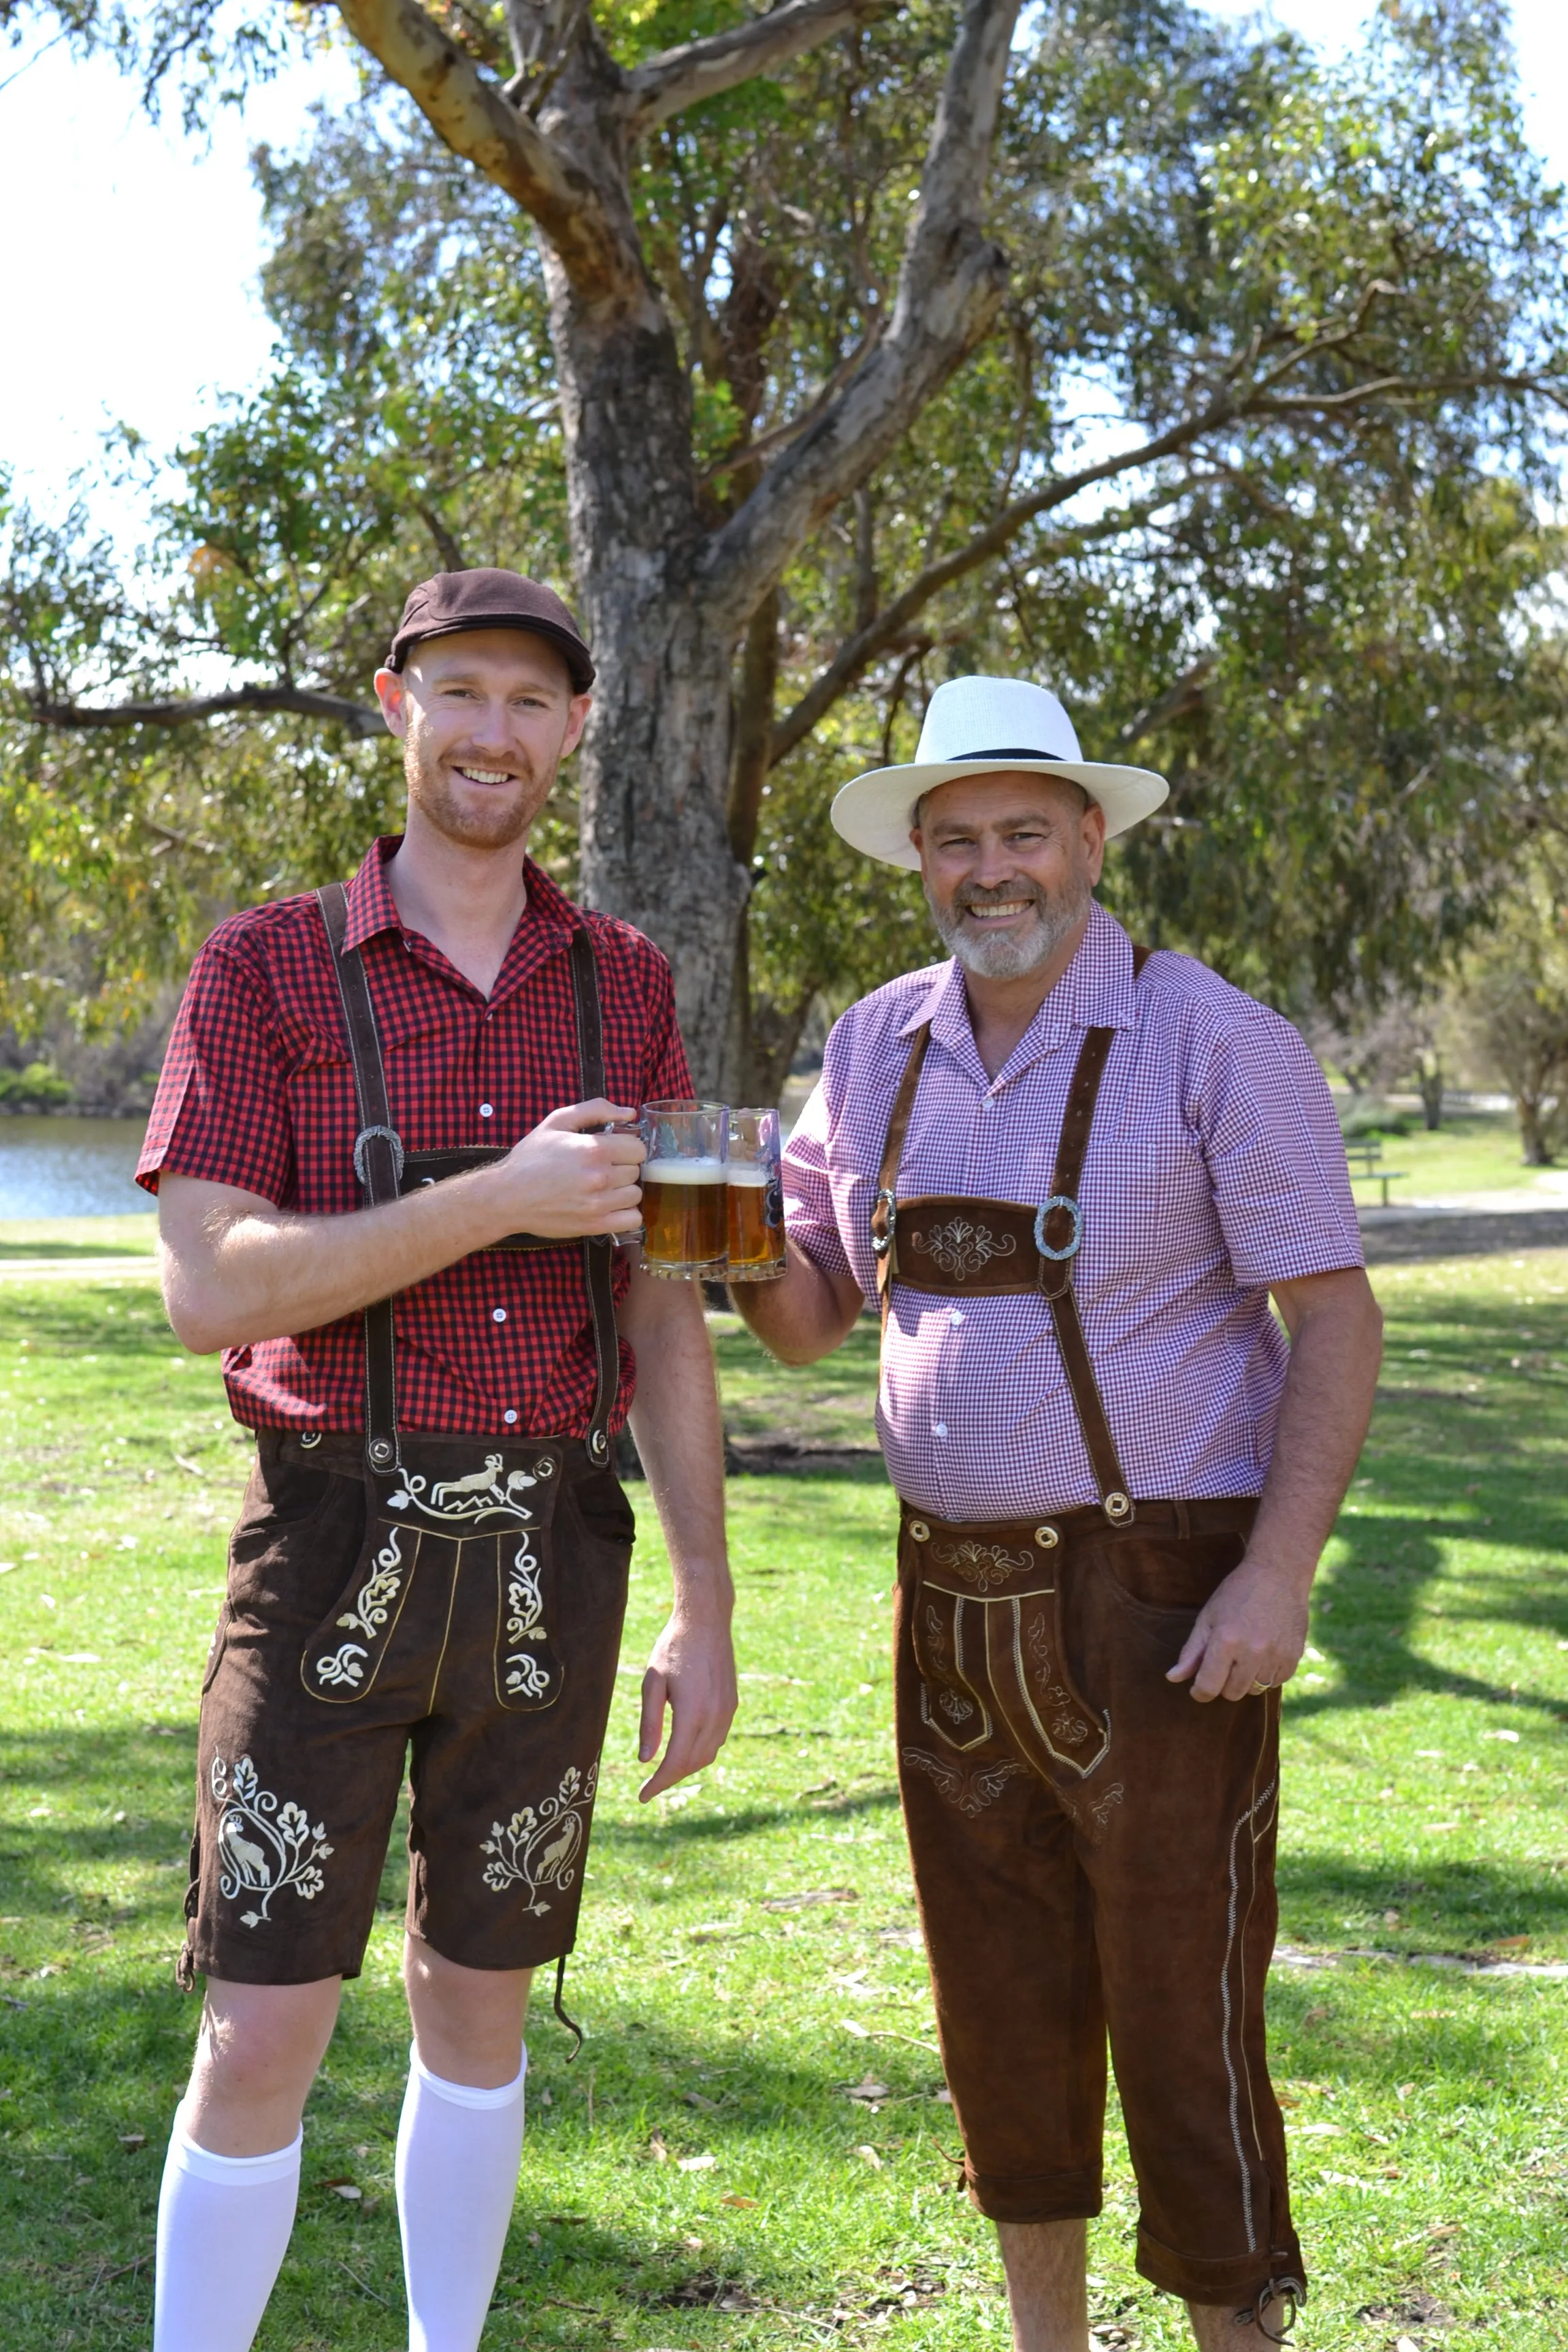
(1446, 1907)
(1367, 1605)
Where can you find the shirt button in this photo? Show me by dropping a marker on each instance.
(487, 1110)
(509, 1418)
(939, 1429)
(498, 1314)
(956, 1315)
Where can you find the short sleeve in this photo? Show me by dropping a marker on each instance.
(1275, 1156)
(221, 1110)
(809, 1219)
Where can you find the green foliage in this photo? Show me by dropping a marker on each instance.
(38, 1086)
(1330, 620)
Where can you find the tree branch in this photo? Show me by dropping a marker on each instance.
(183, 711)
(950, 285)
(680, 78)
(882, 634)
(473, 117)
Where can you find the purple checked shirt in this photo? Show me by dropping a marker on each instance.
(1215, 1169)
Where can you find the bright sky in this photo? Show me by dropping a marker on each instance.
(137, 301)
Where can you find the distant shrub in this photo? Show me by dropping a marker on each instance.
(1374, 1122)
(39, 1087)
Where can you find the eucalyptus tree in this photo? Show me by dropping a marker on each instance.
(823, 351)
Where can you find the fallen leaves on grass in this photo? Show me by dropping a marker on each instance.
(810, 1896)
(871, 2155)
(704, 2163)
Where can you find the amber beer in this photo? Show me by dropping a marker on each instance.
(684, 1195)
(756, 1232)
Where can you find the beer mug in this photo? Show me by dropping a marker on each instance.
(755, 1190)
(683, 1191)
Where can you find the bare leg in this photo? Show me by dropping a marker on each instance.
(1047, 2291)
(257, 2056)
(468, 2022)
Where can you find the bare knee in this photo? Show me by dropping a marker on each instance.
(468, 2022)
(256, 2058)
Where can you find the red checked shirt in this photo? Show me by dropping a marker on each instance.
(258, 1091)
(1215, 1170)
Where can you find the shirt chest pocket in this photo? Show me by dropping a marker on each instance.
(1157, 1190)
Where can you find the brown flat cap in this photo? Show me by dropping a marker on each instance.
(491, 600)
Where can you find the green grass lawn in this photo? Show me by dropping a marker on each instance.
(748, 1973)
(1472, 1152)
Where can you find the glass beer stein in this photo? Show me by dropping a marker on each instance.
(684, 1195)
(755, 1190)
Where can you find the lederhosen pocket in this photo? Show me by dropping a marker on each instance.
(985, 1623)
(424, 1513)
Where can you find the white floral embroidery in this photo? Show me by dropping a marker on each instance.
(980, 1564)
(525, 1676)
(377, 1594)
(264, 1846)
(959, 1248)
(540, 1849)
(479, 1495)
(971, 1791)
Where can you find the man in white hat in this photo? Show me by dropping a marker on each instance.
(1074, 1174)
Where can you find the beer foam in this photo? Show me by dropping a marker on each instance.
(748, 1176)
(682, 1171)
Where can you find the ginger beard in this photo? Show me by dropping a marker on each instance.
(480, 815)
(1008, 955)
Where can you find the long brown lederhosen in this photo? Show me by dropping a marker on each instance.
(1092, 1851)
(457, 1595)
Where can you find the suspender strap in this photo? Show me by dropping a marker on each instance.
(885, 1209)
(378, 1164)
(1057, 1273)
(598, 1249)
(1059, 1228)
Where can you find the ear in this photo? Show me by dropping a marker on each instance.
(577, 719)
(1092, 835)
(391, 695)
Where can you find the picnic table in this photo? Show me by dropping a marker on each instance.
(1363, 1155)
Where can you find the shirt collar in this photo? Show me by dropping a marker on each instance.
(1096, 991)
(547, 921)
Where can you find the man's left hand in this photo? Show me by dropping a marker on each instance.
(1251, 1631)
(692, 1672)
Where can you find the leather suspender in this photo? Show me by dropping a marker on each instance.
(378, 1156)
(1058, 1230)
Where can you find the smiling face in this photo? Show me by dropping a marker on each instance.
(486, 717)
(1008, 862)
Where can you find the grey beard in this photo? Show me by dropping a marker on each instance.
(1010, 959)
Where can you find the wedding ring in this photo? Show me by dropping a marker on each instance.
(1258, 1688)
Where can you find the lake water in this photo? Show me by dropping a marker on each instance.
(71, 1168)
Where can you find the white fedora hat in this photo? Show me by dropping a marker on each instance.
(973, 724)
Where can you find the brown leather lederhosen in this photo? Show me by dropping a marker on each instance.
(459, 1592)
(1091, 1849)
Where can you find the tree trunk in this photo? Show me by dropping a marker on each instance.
(1430, 1080)
(655, 762)
(1535, 1148)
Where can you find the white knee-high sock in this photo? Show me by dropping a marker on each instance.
(458, 2154)
(223, 2229)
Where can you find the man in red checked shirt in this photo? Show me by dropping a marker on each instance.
(389, 1152)
(1072, 1172)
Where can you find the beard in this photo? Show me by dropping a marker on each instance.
(1009, 956)
(494, 821)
